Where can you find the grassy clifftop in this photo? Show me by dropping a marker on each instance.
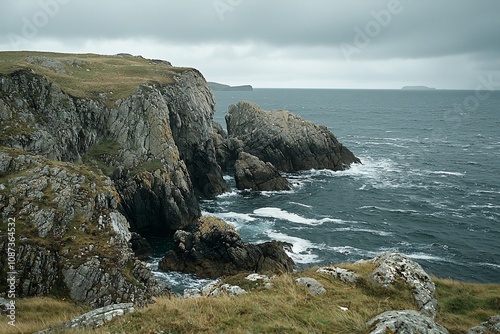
(91, 75)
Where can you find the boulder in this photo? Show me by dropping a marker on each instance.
(253, 173)
(344, 275)
(393, 266)
(314, 287)
(214, 249)
(286, 140)
(490, 326)
(214, 289)
(404, 322)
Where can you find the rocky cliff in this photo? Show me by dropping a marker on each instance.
(156, 143)
(92, 147)
(286, 140)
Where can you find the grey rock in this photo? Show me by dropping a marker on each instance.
(286, 140)
(48, 62)
(404, 322)
(253, 173)
(490, 326)
(214, 289)
(94, 318)
(215, 249)
(77, 242)
(344, 275)
(257, 277)
(394, 266)
(4, 305)
(192, 106)
(314, 287)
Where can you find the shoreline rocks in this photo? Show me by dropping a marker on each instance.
(286, 140)
(253, 173)
(214, 249)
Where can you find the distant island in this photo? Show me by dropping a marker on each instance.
(221, 87)
(417, 88)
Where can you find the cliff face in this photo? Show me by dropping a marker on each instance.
(144, 143)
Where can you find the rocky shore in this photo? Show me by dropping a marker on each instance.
(88, 165)
(81, 172)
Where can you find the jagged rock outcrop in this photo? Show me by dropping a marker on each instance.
(393, 266)
(227, 148)
(286, 140)
(192, 105)
(156, 144)
(253, 173)
(215, 249)
(404, 322)
(70, 238)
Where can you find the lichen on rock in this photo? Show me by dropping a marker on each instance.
(71, 239)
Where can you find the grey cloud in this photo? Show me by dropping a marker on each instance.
(264, 30)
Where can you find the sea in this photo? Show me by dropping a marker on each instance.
(428, 185)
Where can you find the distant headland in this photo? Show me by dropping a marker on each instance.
(221, 87)
(417, 88)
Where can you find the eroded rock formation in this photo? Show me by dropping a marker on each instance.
(214, 249)
(286, 140)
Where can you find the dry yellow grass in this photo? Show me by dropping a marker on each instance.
(34, 314)
(288, 308)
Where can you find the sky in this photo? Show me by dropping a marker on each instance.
(376, 44)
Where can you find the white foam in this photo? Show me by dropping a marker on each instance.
(291, 217)
(237, 216)
(301, 248)
(352, 229)
(423, 256)
(443, 172)
(229, 194)
(373, 207)
(493, 265)
(300, 204)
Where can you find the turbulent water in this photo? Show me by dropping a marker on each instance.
(429, 185)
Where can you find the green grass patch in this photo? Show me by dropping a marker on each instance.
(102, 155)
(91, 75)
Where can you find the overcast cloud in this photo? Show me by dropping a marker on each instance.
(278, 43)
